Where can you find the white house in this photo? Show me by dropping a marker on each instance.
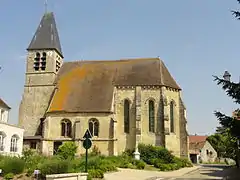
(200, 150)
(11, 136)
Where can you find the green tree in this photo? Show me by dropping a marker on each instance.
(230, 125)
(224, 144)
(67, 150)
(218, 142)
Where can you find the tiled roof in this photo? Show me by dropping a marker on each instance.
(87, 86)
(196, 138)
(3, 104)
(195, 147)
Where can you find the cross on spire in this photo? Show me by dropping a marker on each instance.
(46, 5)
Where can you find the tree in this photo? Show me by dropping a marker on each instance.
(230, 125)
(218, 142)
(224, 144)
(237, 13)
(67, 150)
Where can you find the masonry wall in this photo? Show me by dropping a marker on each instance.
(183, 133)
(208, 157)
(112, 140)
(52, 132)
(172, 139)
(38, 89)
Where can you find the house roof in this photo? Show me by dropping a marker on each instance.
(87, 86)
(195, 147)
(197, 139)
(3, 104)
(46, 35)
(196, 143)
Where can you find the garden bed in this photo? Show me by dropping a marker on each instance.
(152, 158)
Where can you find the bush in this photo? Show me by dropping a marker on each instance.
(67, 150)
(9, 176)
(32, 161)
(95, 151)
(149, 152)
(95, 173)
(53, 166)
(12, 165)
(139, 164)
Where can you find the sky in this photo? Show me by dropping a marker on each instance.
(195, 39)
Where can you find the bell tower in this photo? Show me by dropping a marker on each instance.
(44, 59)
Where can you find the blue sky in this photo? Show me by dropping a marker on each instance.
(195, 39)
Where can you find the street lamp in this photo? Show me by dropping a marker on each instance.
(226, 76)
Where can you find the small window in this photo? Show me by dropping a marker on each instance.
(14, 144)
(93, 126)
(172, 117)
(151, 113)
(33, 145)
(43, 61)
(37, 61)
(2, 139)
(207, 151)
(126, 116)
(66, 128)
(58, 65)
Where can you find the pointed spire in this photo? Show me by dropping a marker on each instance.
(46, 36)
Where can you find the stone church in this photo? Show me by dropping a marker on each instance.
(122, 102)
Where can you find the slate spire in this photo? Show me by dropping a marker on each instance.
(46, 35)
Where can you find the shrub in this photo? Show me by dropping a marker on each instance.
(149, 152)
(128, 152)
(95, 173)
(67, 150)
(95, 151)
(182, 162)
(139, 164)
(12, 165)
(53, 166)
(9, 176)
(32, 162)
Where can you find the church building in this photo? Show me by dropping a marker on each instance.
(122, 102)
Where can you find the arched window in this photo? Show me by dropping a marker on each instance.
(93, 126)
(2, 139)
(43, 61)
(151, 117)
(66, 128)
(172, 116)
(14, 143)
(37, 61)
(126, 116)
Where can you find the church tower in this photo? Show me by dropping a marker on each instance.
(44, 59)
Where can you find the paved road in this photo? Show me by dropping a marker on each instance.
(207, 172)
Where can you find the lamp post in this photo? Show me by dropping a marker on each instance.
(226, 76)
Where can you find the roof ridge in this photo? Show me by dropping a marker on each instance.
(4, 104)
(116, 60)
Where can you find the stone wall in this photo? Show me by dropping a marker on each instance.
(112, 140)
(183, 132)
(38, 89)
(70, 176)
(208, 153)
